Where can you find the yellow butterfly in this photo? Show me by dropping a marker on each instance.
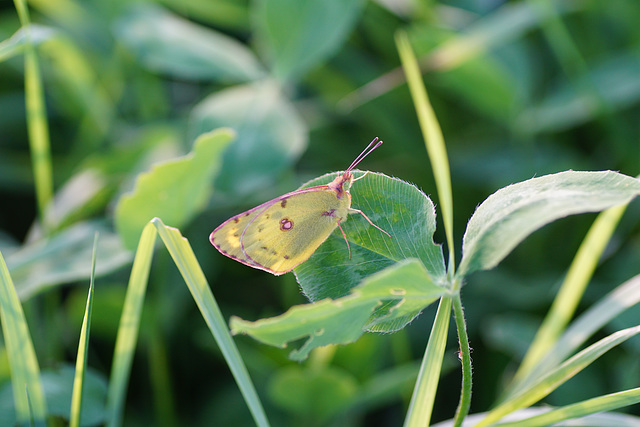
(284, 232)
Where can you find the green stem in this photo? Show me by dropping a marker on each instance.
(465, 355)
(421, 406)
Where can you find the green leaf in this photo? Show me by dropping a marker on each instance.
(30, 403)
(270, 134)
(65, 257)
(299, 34)
(399, 208)
(175, 190)
(509, 215)
(165, 43)
(401, 288)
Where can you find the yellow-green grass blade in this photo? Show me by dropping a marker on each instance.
(572, 289)
(30, 403)
(83, 346)
(37, 125)
(186, 261)
(590, 321)
(424, 393)
(129, 326)
(598, 404)
(433, 138)
(549, 382)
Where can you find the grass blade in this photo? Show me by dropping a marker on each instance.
(38, 127)
(613, 304)
(433, 138)
(28, 395)
(573, 287)
(185, 260)
(555, 378)
(424, 393)
(608, 402)
(83, 346)
(129, 326)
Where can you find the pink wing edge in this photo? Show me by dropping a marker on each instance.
(263, 207)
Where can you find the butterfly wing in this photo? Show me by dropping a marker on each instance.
(284, 232)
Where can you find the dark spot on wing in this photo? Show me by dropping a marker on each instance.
(286, 257)
(236, 220)
(283, 203)
(286, 224)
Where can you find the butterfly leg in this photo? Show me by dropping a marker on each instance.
(351, 210)
(345, 239)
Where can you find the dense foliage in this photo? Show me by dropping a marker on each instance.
(121, 133)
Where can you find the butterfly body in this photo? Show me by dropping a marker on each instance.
(280, 234)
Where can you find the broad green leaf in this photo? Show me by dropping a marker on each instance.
(15, 45)
(343, 320)
(30, 403)
(83, 347)
(184, 258)
(319, 394)
(175, 190)
(551, 381)
(297, 35)
(166, 43)
(399, 208)
(581, 409)
(129, 326)
(220, 13)
(65, 257)
(509, 215)
(81, 196)
(270, 134)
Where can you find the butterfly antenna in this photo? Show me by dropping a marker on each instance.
(365, 152)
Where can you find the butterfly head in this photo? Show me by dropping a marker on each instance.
(343, 182)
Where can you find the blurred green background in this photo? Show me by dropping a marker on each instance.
(521, 89)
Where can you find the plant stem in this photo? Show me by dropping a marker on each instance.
(465, 355)
(424, 393)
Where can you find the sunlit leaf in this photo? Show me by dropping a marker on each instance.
(399, 208)
(401, 288)
(509, 215)
(297, 35)
(270, 134)
(174, 190)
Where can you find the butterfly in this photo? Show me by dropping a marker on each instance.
(282, 233)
